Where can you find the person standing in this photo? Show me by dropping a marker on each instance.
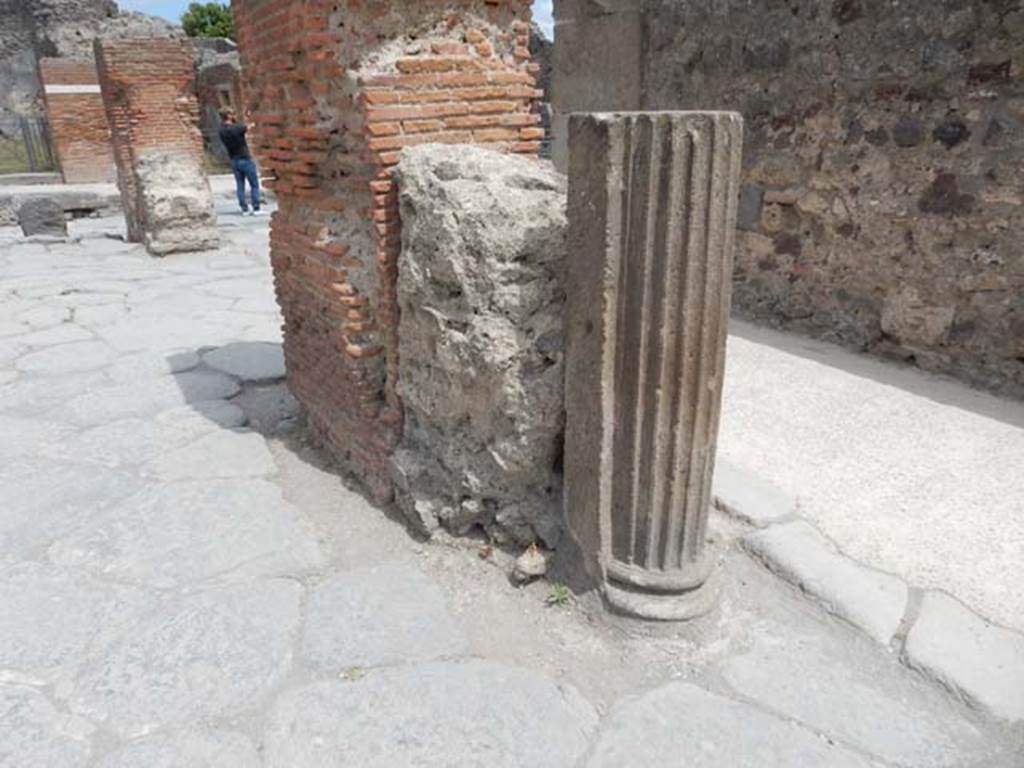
(232, 135)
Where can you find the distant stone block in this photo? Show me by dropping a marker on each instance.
(42, 216)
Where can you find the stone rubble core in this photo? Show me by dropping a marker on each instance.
(78, 121)
(652, 215)
(334, 91)
(481, 295)
(149, 96)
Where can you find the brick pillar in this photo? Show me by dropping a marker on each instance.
(335, 89)
(149, 96)
(652, 219)
(78, 123)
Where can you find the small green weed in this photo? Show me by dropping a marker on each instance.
(559, 594)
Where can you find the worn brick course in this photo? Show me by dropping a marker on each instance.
(78, 122)
(149, 96)
(335, 90)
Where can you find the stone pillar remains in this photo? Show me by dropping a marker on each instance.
(78, 122)
(652, 215)
(149, 96)
(598, 63)
(335, 89)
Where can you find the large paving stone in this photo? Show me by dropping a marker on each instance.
(833, 687)
(50, 614)
(127, 442)
(982, 662)
(223, 453)
(869, 599)
(131, 399)
(389, 614)
(186, 749)
(65, 333)
(65, 358)
(465, 714)
(30, 437)
(176, 533)
(29, 397)
(189, 658)
(251, 361)
(41, 500)
(33, 733)
(680, 724)
(150, 365)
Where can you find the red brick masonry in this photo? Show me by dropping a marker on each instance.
(78, 122)
(336, 88)
(149, 94)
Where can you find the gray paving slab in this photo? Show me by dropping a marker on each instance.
(31, 436)
(680, 724)
(257, 362)
(134, 441)
(857, 698)
(42, 500)
(982, 662)
(221, 453)
(126, 400)
(65, 358)
(49, 614)
(369, 617)
(190, 658)
(174, 534)
(34, 733)
(873, 601)
(186, 749)
(466, 714)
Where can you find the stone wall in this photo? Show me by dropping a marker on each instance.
(884, 165)
(481, 295)
(148, 93)
(335, 90)
(32, 29)
(78, 122)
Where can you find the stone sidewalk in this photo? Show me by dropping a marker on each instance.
(183, 582)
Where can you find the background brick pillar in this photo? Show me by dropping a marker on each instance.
(335, 89)
(77, 120)
(149, 96)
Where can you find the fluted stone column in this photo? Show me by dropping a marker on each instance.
(652, 215)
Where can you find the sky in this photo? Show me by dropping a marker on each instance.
(172, 9)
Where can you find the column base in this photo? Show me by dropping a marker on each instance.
(665, 606)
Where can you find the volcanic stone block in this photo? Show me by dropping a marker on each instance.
(336, 89)
(481, 299)
(652, 217)
(149, 97)
(42, 216)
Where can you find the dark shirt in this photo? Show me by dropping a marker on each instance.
(233, 137)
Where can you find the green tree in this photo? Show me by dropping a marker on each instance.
(208, 20)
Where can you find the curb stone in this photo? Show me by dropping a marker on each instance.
(748, 497)
(871, 600)
(979, 661)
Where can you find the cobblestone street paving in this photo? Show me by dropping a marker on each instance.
(184, 582)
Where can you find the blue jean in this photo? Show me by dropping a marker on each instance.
(245, 169)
